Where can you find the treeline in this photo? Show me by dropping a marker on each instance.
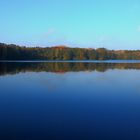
(62, 67)
(15, 52)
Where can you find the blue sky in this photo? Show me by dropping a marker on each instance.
(77, 23)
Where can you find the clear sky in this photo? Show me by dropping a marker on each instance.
(114, 24)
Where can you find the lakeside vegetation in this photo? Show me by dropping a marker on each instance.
(15, 52)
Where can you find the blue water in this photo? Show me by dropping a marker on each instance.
(75, 61)
(69, 101)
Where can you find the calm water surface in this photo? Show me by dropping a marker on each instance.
(69, 101)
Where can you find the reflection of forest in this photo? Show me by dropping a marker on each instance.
(62, 67)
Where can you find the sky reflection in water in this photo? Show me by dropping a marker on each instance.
(82, 101)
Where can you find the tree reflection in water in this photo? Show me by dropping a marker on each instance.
(61, 67)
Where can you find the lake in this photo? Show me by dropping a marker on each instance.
(81, 100)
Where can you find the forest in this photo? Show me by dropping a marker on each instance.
(16, 52)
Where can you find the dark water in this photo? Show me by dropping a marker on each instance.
(69, 101)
